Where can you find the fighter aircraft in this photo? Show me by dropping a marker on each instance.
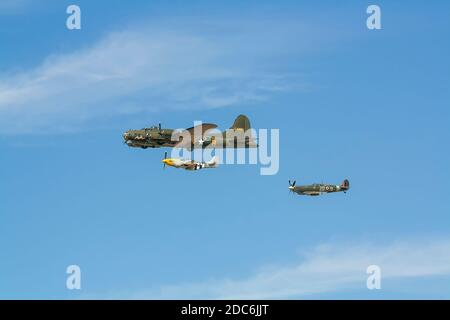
(189, 164)
(201, 136)
(318, 188)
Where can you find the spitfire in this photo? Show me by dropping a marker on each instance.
(189, 164)
(318, 189)
(200, 136)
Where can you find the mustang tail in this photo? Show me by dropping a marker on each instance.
(213, 163)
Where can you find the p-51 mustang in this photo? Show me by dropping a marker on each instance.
(317, 189)
(201, 136)
(189, 164)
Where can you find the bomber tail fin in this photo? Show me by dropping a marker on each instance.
(242, 129)
(241, 123)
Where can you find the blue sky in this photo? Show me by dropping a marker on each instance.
(370, 106)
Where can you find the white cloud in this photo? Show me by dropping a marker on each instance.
(12, 7)
(327, 268)
(137, 71)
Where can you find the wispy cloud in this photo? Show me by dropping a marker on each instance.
(327, 268)
(137, 71)
(12, 6)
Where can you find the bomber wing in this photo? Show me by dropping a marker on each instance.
(196, 134)
(202, 128)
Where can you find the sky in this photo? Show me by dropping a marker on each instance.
(367, 105)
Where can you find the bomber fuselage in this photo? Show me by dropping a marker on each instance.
(199, 136)
(152, 137)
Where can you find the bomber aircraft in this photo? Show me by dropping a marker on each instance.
(200, 136)
(189, 164)
(318, 188)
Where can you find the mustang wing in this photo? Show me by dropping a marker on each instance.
(188, 164)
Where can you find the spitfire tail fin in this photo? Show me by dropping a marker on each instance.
(241, 123)
(345, 184)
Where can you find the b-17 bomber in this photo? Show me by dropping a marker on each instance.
(317, 189)
(200, 136)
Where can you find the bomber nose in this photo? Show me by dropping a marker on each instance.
(126, 136)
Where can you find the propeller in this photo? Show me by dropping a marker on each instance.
(165, 157)
(291, 186)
